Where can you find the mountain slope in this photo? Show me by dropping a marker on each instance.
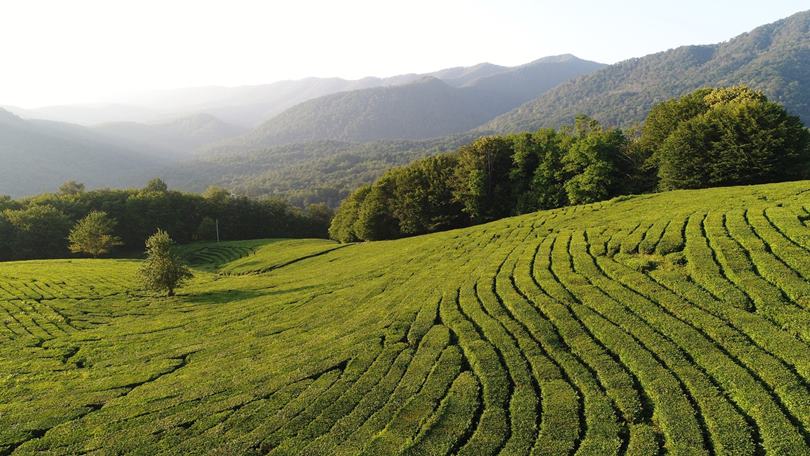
(316, 172)
(674, 323)
(178, 138)
(426, 108)
(774, 58)
(246, 106)
(38, 156)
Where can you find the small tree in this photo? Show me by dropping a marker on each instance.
(163, 270)
(71, 188)
(156, 185)
(93, 235)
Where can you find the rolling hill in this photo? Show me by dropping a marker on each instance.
(178, 139)
(674, 323)
(427, 108)
(39, 155)
(774, 58)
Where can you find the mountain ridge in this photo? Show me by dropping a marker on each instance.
(39, 155)
(774, 58)
(426, 108)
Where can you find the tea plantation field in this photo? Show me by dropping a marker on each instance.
(675, 323)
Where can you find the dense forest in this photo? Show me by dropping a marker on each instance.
(38, 227)
(310, 173)
(708, 138)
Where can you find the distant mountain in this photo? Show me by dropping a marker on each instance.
(246, 106)
(176, 139)
(427, 108)
(774, 58)
(316, 172)
(249, 106)
(39, 155)
(460, 76)
(87, 114)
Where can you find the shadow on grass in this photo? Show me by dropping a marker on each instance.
(226, 296)
(222, 297)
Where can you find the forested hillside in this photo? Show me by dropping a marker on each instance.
(177, 139)
(426, 108)
(774, 58)
(675, 323)
(708, 138)
(308, 173)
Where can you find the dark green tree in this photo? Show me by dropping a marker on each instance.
(162, 270)
(93, 235)
(156, 185)
(595, 161)
(207, 230)
(39, 231)
(6, 238)
(423, 198)
(547, 190)
(71, 188)
(739, 138)
(374, 218)
(342, 226)
(482, 178)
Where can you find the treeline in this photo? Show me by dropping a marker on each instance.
(711, 137)
(38, 227)
(308, 173)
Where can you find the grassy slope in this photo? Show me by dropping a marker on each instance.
(679, 320)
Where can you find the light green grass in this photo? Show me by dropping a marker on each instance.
(677, 322)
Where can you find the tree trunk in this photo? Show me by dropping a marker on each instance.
(171, 291)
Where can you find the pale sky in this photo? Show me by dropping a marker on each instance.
(77, 51)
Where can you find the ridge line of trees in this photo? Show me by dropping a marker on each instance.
(710, 137)
(47, 225)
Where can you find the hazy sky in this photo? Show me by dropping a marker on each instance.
(68, 51)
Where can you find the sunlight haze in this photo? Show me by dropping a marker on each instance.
(57, 52)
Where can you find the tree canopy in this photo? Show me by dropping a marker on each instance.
(162, 270)
(725, 136)
(38, 227)
(93, 235)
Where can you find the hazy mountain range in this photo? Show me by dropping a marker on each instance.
(333, 133)
(429, 107)
(39, 155)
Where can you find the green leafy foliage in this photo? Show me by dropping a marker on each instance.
(38, 227)
(726, 137)
(482, 178)
(38, 230)
(93, 235)
(163, 269)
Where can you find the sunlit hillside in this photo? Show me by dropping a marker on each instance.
(677, 322)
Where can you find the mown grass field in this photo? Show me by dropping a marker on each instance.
(674, 323)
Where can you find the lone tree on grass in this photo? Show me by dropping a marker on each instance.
(93, 235)
(162, 270)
